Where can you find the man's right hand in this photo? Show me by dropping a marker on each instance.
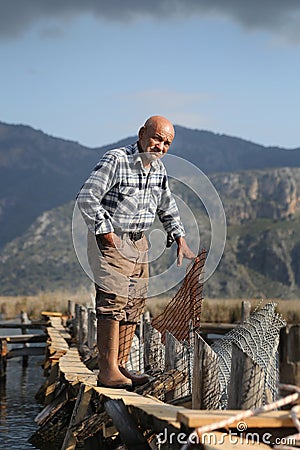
(109, 240)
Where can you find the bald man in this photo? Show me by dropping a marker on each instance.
(119, 202)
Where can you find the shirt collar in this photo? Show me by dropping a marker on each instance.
(137, 158)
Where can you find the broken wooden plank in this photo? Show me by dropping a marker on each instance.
(78, 414)
(151, 406)
(129, 432)
(198, 418)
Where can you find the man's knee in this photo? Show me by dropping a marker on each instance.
(110, 305)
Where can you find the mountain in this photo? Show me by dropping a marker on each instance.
(39, 172)
(261, 257)
(43, 257)
(220, 153)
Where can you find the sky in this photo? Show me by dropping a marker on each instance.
(92, 71)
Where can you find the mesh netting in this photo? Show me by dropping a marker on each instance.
(185, 307)
(258, 337)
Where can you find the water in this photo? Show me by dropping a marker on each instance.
(18, 407)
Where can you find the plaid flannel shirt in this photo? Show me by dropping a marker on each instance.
(120, 195)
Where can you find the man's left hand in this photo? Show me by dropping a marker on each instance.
(183, 251)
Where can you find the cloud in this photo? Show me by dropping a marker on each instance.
(277, 16)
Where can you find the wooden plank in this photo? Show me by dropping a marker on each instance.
(56, 340)
(153, 407)
(21, 338)
(51, 382)
(74, 370)
(130, 434)
(154, 350)
(176, 357)
(198, 418)
(246, 386)
(79, 412)
(51, 314)
(56, 324)
(206, 387)
(289, 351)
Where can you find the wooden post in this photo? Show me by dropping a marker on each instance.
(76, 321)
(24, 320)
(246, 386)
(147, 317)
(289, 355)
(134, 355)
(206, 387)
(154, 350)
(3, 356)
(92, 328)
(71, 309)
(176, 357)
(246, 309)
(83, 326)
(141, 344)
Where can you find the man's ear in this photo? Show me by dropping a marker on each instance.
(141, 132)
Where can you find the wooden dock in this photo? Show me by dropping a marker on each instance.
(27, 350)
(77, 412)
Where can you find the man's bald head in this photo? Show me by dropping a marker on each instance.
(156, 136)
(155, 122)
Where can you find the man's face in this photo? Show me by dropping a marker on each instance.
(155, 140)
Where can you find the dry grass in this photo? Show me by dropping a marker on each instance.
(213, 310)
(11, 307)
(229, 310)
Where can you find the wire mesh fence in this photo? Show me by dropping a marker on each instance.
(257, 337)
(185, 307)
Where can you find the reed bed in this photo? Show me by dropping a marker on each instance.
(213, 310)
